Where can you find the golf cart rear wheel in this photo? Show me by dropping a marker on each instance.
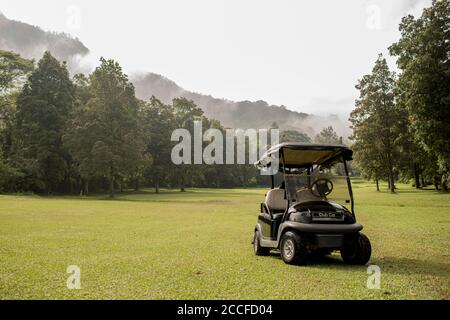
(357, 250)
(293, 249)
(259, 251)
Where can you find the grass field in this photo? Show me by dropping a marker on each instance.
(197, 245)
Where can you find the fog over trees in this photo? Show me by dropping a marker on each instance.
(31, 42)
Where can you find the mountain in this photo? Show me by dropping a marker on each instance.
(237, 114)
(31, 42)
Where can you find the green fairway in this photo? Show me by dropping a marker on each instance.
(196, 245)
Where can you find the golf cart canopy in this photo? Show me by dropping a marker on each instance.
(297, 155)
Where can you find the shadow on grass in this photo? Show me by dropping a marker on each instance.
(145, 195)
(333, 261)
(178, 200)
(388, 265)
(421, 191)
(204, 196)
(427, 192)
(407, 266)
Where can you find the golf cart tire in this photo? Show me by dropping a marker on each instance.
(259, 251)
(358, 251)
(299, 255)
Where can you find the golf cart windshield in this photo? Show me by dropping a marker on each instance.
(318, 183)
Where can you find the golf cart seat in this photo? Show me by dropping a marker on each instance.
(276, 201)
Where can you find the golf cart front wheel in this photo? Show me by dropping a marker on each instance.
(357, 250)
(259, 251)
(292, 249)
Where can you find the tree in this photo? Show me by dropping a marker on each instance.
(13, 71)
(423, 57)
(294, 136)
(274, 125)
(158, 124)
(79, 132)
(409, 166)
(104, 136)
(374, 122)
(328, 135)
(185, 113)
(368, 157)
(43, 107)
(413, 162)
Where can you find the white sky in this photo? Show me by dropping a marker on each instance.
(306, 55)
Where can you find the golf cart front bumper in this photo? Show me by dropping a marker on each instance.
(323, 228)
(321, 235)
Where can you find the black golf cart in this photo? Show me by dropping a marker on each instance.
(307, 214)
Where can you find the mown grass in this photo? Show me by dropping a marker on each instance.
(196, 245)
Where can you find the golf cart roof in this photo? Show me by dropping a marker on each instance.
(304, 154)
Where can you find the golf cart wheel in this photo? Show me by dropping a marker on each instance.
(293, 249)
(357, 250)
(259, 251)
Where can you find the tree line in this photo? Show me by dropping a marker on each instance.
(401, 122)
(89, 133)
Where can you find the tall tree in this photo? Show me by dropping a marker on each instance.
(423, 58)
(13, 72)
(185, 113)
(107, 127)
(374, 122)
(328, 135)
(43, 107)
(158, 123)
(79, 132)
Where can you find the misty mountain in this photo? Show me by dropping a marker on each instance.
(237, 114)
(31, 42)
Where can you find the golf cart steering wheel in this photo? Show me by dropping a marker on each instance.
(321, 187)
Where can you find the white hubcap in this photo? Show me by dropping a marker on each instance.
(288, 249)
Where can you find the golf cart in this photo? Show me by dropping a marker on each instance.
(306, 216)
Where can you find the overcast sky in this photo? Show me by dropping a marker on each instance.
(306, 55)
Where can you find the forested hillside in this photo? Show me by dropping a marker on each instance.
(31, 42)
(238, 114)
